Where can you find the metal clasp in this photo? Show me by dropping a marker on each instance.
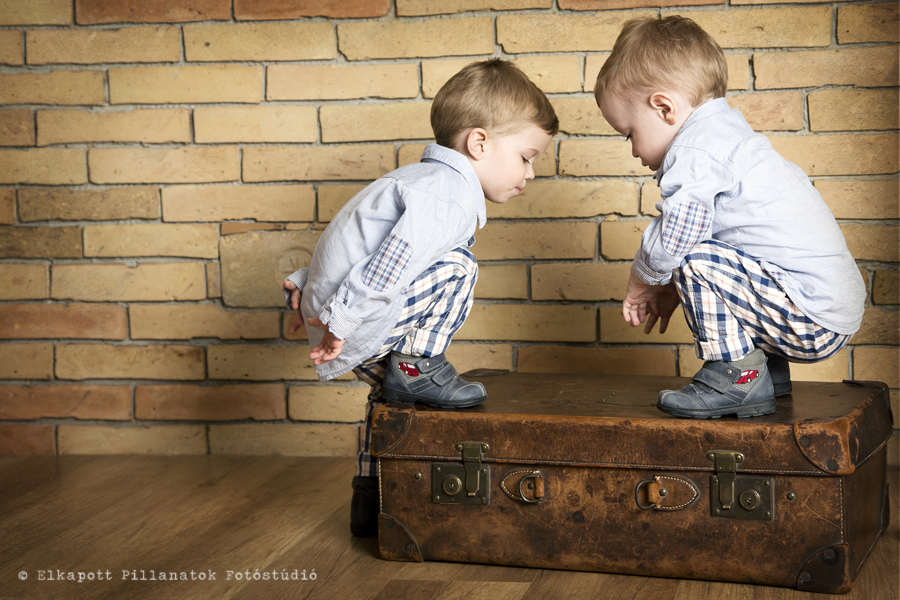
(472, 478)
(754, 496)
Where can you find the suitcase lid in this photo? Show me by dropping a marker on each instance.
(611, 421)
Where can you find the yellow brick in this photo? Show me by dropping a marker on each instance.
(435, 73)
(835, 368)
(259, 42)
(560, 198)
(204, 403)
(149, 282)
(554, 74)
(591, 282)
(433, 37)
(27, 402)
(145, 126)
(255, 124)
(334, 403)
(365, 122)
(581, 116)
(338, 82)
(854, 199)
(562, 33)
(102, 361)
(89, 46)
(609, 4)
(183, 322)
(545, 164)
(879, 326)
(26, 361)
(536, 240)
(407, 8)
(92, 12)
(224, 202)
(28, 281)
(607, 361)
(232, 227)
(530, 322)
(853, 110)
(36, 12)
(260, 363)
(185, 84)
(467, 357)
(12, 48)
(197, 241)
(650, 196)
(254, 265)
(619, 240)
(868, 23)
(284, 440)
(873, 242)
(53, 203)
(615, 330)
(767, 27)
(877, 364)
(887, 287)
(213, 281)
(17, 127)
(412, 153)
(40, 242)
(55, 87)
(862, 67)
(7, 206)
(332, 199)
(50, 166)
(62, 320)
(160, 440)
(864, 154)
(780, 111)
(502, 281)
(164, 165)
(580, 158)
(284, 163)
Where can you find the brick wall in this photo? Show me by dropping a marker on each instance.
(165, 164)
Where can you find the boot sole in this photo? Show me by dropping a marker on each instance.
(750, 410)
(398, 396)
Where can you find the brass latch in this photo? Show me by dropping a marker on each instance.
(467, 483)
(736, 496)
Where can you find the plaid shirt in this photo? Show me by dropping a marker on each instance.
(722, 181)
(383, 238)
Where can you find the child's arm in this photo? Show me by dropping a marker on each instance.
(650, 302)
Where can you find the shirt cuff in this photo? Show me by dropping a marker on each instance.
(338, 318)
(298, 278)
(648, 275)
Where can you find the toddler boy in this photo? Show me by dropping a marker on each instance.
(391, 278)
(743, 241)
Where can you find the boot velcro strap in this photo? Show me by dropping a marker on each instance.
(446, 375)
(717, 377)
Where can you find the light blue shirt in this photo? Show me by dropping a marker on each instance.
(721, 180)
(379, 242)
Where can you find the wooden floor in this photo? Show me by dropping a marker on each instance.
(80, 514)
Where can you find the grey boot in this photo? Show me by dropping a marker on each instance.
(743, 388)
(780, 370)
(429, 380)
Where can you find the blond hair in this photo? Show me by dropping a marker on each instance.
(673, 53)
(494, 95)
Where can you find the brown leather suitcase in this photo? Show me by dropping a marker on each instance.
(582, 472)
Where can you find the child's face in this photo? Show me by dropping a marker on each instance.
(643, 123)
(508, 162)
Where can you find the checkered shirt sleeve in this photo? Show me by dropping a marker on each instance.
(388, 264)
(686, 226)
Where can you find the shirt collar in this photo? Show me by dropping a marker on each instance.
(460, 164)
(707, 109)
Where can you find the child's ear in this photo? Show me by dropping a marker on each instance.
(665, 106)
(476, 142)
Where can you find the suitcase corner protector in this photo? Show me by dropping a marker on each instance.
(395, 542)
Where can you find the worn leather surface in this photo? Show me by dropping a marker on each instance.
(595, 439)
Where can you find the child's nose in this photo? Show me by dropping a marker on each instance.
(529, 172)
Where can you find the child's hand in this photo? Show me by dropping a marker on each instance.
(329, 348)
(651, 302)
(295, 304)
